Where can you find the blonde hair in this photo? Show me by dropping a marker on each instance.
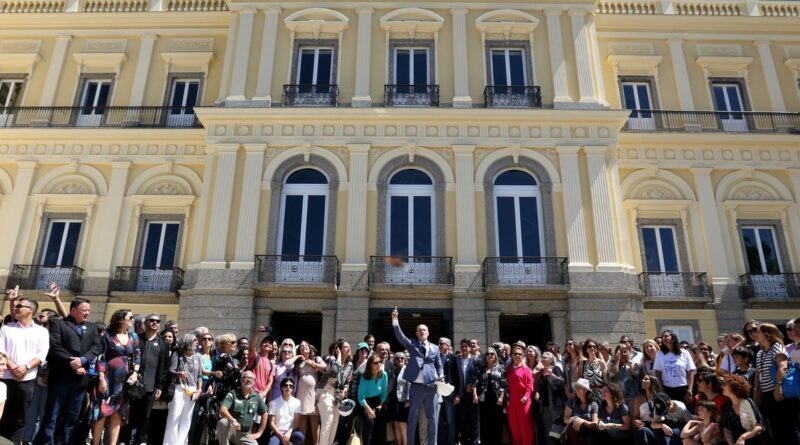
(225, 338)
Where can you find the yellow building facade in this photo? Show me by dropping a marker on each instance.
(498, 170)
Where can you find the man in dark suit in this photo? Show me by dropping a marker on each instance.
(74, 345)
(447, 418)
(424, 368)
(467, 409)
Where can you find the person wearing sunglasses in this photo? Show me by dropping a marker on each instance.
(372, 394)
(284, 413)
(25, 344)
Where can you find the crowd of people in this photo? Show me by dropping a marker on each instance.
(141, 380)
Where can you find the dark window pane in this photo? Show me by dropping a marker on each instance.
(307, 176)
(733, 98)
(644, 100)
(751, 251)
(423, 226)
(402, 67)
(53, 244)
(499, 68)
(191, 95)
(292, 218)
(16, 90)
(651, 250)
(71, 245)
(324, 61)
(153, 238)
(506, 227)
(306, 76)
(91, 92)
(719, 97)
(170, 246)
(420, 67)
(668, 249)
(398, 226)
(177, 96)
(315, 225)
(770, 251)
(517, 67)
(5, 93)
(514, 177)
(411, 176)
(529, 226)
(102, 99)
(629, 95)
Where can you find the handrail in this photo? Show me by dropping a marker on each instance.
(98, 117)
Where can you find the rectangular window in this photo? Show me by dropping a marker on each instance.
(315, 66)
(61, 243)
(94, 99)
(728, 100)
(184, 95)
(10, 92)
(636, 96)
(160, 245)
(761, 250)
(508, 67)
(660, 249)
(683, 332)
(411, 66)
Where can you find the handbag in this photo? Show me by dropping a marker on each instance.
(790, 387)
(355, 434)
(557, 431)
(135, 390)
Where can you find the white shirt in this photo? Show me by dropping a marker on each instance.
(284, 411)
(22, 344)
(674, 368)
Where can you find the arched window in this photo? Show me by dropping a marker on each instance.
(303, 225)
(410, 215)
(518, 216)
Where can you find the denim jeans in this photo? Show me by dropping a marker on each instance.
(61, 397)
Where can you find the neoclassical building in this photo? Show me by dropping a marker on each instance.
(498, 170)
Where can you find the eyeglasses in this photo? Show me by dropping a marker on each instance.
(286, 352)
(208, 339)
(287, 386)
(129, 317)
(20, 306)
(153, 320)
(591, 347)
(749, 331)
(490, 353)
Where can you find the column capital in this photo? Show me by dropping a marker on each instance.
(231, 147)
(762, 42)
(248, 10)
(254, 148)
(120, 165)
(455, 11)
(328, 312)
(595, 150)
(365, 10)
(550, 12)
(558, 314)
(701, 171)
(793, 172)
(148, 36)
(64, 36)
(675, 41)
(463, 149)
(568, 150)
(358, 148)
(272, 10)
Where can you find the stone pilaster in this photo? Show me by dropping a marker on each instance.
(244, 37)
(148, 41)
(328, 327)
(492, 325)
(573, 210)
(597, 65)
(719, 268)
(557, 63)
(583, 58)
(354, 269)
(685, 98)
(199, 229)
(267, 64)
(13, 208)
(465, 205)
(601, 209)
(469, 318)
(221, 205)
(558, 324)
(770, 75)
(352, 317)
(54, 70)
(363, 52)
(230, 37)
(248, 208)
(462, 98)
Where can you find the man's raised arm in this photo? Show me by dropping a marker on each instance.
(398, 332)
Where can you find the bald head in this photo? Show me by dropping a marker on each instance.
(422, 333)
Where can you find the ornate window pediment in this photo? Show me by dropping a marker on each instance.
(506, 24)
(412, 22)
(317, 21)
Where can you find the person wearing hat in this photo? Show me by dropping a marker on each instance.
(520, 393)
(580, 414)
(424, 368)
(669, 417)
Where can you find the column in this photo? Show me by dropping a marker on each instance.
(356, 203)
(718, 266)
(226, 65)
(770, 75)
(267, 65)
(465, 206)
(148, 40)
(13, 209)
(248, 207)
(461, 98)
(363, 52)
(601, 209)
(597, 65)
(557, 65)
(54, 70)
(220, 205)
(243, 38)
(199, 229)
(623, 229)
(573, 209)
(685, 98)
(558, 324)
(582, 57)
(328, 326)
(492, 326)
(104, 232)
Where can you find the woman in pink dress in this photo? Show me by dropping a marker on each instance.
(520, 392)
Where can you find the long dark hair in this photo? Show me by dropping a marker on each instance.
(676, 343)
(368, 375)
(747, 339)
(116, 321)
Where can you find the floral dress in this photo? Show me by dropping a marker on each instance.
(115, 361)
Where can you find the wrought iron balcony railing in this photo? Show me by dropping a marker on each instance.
(775, 286)
(675, 285)
(98, 117)
(310, 95)
(502, 96)
(411, 95)
(665, 121)
(411, 270)
(37, 276)
(297, 269)
(139, 279)
(528, 271)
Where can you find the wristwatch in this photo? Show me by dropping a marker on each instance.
(28, 366)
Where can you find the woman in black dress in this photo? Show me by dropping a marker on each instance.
(492, 389)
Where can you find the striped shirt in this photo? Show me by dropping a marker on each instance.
(765, 362)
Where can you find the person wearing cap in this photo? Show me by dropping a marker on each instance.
(520, 393)
(668, 419)
(424, 368)
(580, 414)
